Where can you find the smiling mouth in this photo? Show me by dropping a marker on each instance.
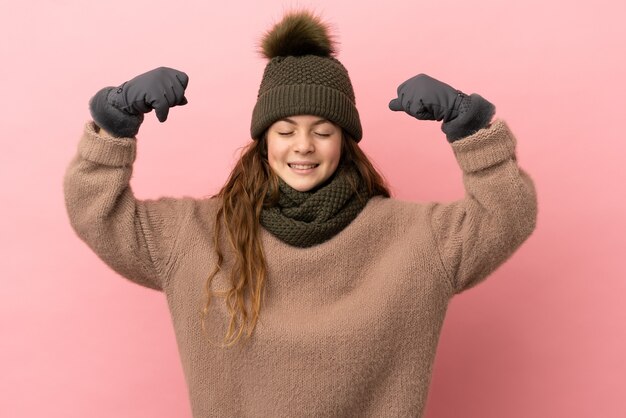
(303, 166)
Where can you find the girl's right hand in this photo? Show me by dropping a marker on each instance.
(119, 110)
(158, 89)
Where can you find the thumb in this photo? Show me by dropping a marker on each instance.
(162, 112)
(395, 105)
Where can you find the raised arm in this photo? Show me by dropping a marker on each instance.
(476, 234)
(134, 237)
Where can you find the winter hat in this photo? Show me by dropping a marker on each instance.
(303, 77)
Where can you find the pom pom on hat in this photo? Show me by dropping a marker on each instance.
(298, 33)
(303, 77)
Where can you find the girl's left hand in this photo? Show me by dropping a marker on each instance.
(426, 98)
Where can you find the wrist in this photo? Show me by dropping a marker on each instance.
(101, 132)
(477, 114)
(114, 121)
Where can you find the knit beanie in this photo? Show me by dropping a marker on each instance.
(303, 77)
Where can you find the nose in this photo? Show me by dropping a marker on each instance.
(304, 144)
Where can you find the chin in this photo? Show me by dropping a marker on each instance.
(304, 187)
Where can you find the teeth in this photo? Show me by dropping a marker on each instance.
(302, 167)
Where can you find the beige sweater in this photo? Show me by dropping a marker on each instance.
(348, 328)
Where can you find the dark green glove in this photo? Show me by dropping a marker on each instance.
(426, 98)
(120, 110)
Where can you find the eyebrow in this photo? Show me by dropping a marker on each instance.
(317, 122)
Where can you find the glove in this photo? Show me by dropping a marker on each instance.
(426, 98)
(120, 110)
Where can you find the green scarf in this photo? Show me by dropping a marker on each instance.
(304, 219)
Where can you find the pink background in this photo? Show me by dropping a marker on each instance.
(543, 337)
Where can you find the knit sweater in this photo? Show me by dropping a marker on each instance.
(349, 327)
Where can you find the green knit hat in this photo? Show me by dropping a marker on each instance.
(303, 77)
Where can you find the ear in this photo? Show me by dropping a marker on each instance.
(263, 145)
(345, 148)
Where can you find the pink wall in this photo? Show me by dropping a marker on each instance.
(544, 337)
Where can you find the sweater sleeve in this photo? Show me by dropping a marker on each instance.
(134, 237)
(477, 234)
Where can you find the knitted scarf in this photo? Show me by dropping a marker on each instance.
(304, 219)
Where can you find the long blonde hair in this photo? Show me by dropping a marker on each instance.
(243, 197)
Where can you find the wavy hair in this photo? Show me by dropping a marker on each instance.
(251, 186)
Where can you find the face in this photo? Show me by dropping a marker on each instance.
(304, 150)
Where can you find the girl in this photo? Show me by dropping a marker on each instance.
(328, 294)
